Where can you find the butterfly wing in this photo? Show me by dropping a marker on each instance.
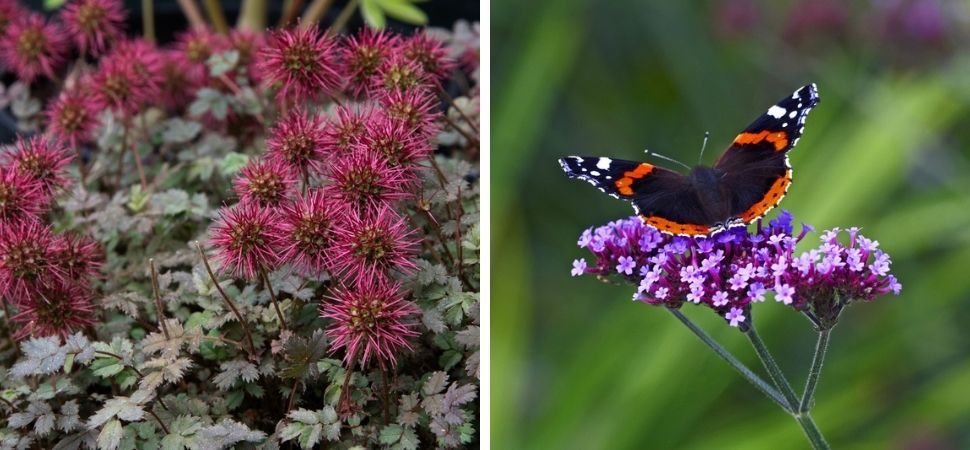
(755, 168)
(662, 198)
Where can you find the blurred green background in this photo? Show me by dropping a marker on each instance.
(576, 365)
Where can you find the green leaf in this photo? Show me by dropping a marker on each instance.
(138, 198)
(372, 14)
(232, 163)
(110, 436)
(404, 11)
(106, 367)
(51, 5)
(234, 399)
(449, 358)
(221, 63)
(68, 363)
(391, 434)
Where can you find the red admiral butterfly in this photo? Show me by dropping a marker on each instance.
(748, 180)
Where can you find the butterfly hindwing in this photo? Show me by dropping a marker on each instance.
(755, 168)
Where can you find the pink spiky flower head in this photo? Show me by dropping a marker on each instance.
(308, 231)
(79, 256)
(33, 46)
(128, 77)
(430, 53)
(415, 109)
(399, 74)
(28, 252)
(9, 10)
(43, 159)
(267, 182)
(371, 320)
(372, 243)
(72, 116)
(21, 196)
(248, 44)
(302, 61)
(396, 142)
(196, 47)
(246, 237)
(362, 55)
(297, 141)
(346, 132)
(58, 310)
(364, 179)
(177, 89)
(94, 24)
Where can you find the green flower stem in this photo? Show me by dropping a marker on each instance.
(812, 432)
(753, 378)
(774, 372)
(820, 347)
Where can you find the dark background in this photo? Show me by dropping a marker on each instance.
(575, 364)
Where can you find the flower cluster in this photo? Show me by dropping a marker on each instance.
(44, 275)
(328, 195)
(731, 270)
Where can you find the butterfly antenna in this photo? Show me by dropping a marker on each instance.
(658, 155)
(700, 158)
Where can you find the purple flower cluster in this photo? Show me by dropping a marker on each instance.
(731, 270)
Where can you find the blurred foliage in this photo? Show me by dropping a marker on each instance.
(575, 365)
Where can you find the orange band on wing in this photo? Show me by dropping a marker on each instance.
(671, 227)
(778, 138)
(770, 200)
(623, 184)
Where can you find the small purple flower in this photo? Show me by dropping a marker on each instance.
(784, 293)
(585, 238)
(880, 266)
(736, 316)
(720, 299)
(738, 282)
(579, 267)
(894, 285)
(757, 292)
(626, 266)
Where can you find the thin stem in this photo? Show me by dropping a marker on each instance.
(137, 156)
(812, 432)
(245, 327)
(216, 16)
(158, 299)
(252, 15)
(472, 140)
(820, 347)
(272, 296)
(192, 14)
(745, 372)
(774, 371)
(122, 360)
(292, 398)
(344, 17)
(451, 101)
(152, 412)
(387, 397)
(290, 9)
(148, 20)
(314, 12)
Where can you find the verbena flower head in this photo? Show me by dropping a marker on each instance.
(72, 116)
(94, 25)
(43, 159)
(128, 77)
(396, 142)
(308, 231)
(297, 141)
(32, 46)
(371, 320)
(303, 61)
(372, 243)
(58, 310)
(415, 109)
(28, 260)
(429, 53)
(364, 179)
(21, 196)
(267, 182)
(346, 131)
(362, 55)
(79, 256)
(398, 73)
(726, 272)
(246, 238)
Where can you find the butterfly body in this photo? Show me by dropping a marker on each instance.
(749, 179)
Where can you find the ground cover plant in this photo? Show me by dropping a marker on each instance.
(242, 239)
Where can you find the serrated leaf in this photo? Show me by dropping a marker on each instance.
(42, 356)
(223, 62)
(435, 383)
(390, 434)
(449, 359)
(110, 436)
(232, 163)
(106, 367)
(178, 131)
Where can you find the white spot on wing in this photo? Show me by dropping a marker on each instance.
(594, 173)
(792, 114)
(776, 111)
(604, 163)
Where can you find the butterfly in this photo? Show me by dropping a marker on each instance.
(747, 180)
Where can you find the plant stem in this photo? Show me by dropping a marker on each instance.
(216, 16)
(314, 12)
(753, 378)
(192, 14)
(774, 372)
(451, 101)
(252, 15)
(148, 20)
(158, 299)
(245, 327)
(152, 412)
(290, 9)
(820, 347)
(272, 296)
(344, 17)
(812, 432)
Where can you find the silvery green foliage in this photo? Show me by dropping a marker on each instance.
(184, 377)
